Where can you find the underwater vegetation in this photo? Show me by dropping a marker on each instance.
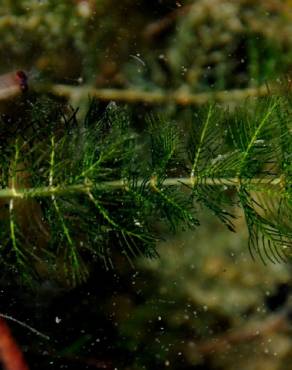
(191, 46)
(145, 183)
(73, 189)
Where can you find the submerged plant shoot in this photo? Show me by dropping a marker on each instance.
(73, 191)
(145, 184)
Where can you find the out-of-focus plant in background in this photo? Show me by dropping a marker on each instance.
(196, 45)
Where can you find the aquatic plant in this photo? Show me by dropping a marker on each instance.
(74, 192)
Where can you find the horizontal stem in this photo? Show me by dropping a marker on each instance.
(48, 191)
(157, 97)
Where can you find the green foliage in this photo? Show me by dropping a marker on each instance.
(73, 192)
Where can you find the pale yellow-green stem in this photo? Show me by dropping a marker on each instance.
(49, 191)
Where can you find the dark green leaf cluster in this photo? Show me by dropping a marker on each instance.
(74, 192)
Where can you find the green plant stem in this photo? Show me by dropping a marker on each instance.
(49, 191)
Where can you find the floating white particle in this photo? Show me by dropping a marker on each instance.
(137, 222)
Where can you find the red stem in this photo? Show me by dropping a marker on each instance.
(10, 354)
